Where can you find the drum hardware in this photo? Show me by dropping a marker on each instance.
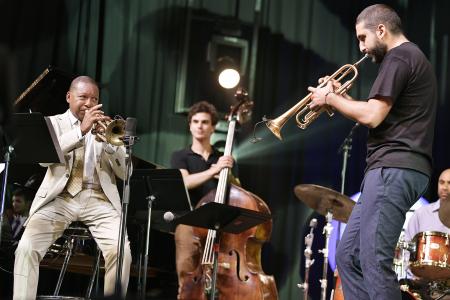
(327, 231)
(447, 292)
(309, 238)
(401, 256)
(333, 205)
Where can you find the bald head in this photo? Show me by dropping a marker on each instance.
(444, 185)
(82, 79)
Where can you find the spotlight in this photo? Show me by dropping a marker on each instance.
(227, 57)
(228, 73)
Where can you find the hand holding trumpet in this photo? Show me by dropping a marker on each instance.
(92, 116)
(319, 95)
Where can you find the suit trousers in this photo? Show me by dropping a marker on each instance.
(188, 251)
(45, 226)
(366, 251)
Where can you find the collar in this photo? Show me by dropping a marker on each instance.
(214, 151)
(72, 118)
(435, 206)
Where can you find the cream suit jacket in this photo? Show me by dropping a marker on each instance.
(107, 166)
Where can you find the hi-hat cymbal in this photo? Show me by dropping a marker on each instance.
(323, 199)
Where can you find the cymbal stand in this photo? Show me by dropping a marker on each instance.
(327, 231)
(308, 253)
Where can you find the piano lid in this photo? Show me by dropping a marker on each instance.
(47, 94)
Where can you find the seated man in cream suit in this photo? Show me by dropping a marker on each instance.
(83, 188)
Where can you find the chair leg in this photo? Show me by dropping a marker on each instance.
(64, 266)
(94, 275)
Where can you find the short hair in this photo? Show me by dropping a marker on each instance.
(26, 193)
(377, 14)
(204, 107)
(85, 79)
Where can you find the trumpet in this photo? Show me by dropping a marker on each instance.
(304, 115)
(110, 131)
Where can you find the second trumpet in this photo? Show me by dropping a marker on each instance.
(304, 115)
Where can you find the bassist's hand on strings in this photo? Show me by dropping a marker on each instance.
(225, 161)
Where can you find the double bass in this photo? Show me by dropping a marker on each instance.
(239, 274)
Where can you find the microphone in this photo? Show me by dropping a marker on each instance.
(169, 216)
(130, 127)
(129, 136)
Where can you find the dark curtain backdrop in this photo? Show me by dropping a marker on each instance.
(134, 50)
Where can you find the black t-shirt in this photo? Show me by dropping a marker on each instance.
(405, 137)
(195, 163)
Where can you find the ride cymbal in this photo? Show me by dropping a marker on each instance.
(323, 199)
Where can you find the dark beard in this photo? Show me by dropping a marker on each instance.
(378, 52)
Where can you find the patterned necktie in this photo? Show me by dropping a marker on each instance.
(16, 227)
(75, 183)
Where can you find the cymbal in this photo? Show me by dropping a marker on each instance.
(323, 199)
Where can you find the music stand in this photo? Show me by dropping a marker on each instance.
(34, 141)
(165, 192)
(222, 218)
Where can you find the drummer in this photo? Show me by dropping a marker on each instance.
(426, 218)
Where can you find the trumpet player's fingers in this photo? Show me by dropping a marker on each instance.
(336, 84)
(322, 79)
(91, 116)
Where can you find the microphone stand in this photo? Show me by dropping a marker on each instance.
(150, 200)
(308, 261)
(128, 140)
(345, 149)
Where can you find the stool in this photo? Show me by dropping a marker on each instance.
(76, 231)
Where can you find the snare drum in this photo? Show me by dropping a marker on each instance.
(430, 258)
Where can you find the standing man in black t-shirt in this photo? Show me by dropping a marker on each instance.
(400, 114)
(199, 164)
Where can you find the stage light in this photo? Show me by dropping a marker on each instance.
(227, 57)
(227, 72)
(229, 78)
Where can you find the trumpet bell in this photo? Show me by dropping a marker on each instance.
(275, 128)
(115, 132)
(111, 132)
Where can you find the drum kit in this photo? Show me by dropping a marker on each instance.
(422, 264)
